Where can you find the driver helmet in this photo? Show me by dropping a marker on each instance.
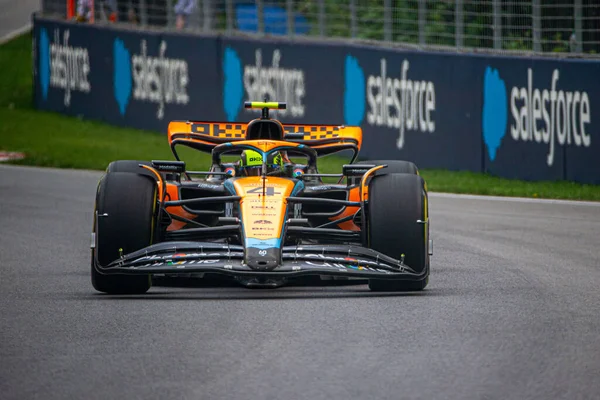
(251, 163)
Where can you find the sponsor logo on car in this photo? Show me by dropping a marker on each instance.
(548, 115)
(394, 101)
(262, 214)
(62, 66)
(263, 200)
(230, 171)
(260, 81)
(317, 188)
(345, 267)
(209, 186)
(298, 172)
(179, 260)
(153, 79)
(344, 263)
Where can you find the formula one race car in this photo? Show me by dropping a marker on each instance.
(263, 219)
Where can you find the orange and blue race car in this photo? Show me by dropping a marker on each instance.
(261, 213)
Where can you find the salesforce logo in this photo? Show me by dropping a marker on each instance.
(259, 81)
(551, 116)
(354, 92)
(44, 60)
(494, 111)
(394, 101)
(152, 79)
(62, 66)
(122, 75)
(233, 86)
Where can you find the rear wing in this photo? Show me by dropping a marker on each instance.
(204, 136)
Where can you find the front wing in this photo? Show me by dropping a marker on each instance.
(183, 258)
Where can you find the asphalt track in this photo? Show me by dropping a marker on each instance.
(15, 16)
(512, 312)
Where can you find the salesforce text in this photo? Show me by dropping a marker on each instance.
(69, 67)
(400, 103)
(275, 83)
(159, 79)
(564, 115)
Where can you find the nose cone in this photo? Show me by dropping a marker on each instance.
(262, 259)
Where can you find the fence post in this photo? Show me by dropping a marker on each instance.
(537, 22)
(260, 17)
(170, 22)
(497, 10)
(352, 18)
(578, 28)
(290, 17)
(229, 15)
(422, 20)
(207, 15)
(321, 18)
(387, 20)
(143, 13)
(458, 23)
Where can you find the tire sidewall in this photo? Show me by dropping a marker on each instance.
(396, 203)
(124, 218)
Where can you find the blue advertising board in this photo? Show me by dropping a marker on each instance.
(517, 117)
(130, 78)
(413, 106)
(539, 117)
(280, 70)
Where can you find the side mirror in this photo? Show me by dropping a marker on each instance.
(169, 166)
(356, 170)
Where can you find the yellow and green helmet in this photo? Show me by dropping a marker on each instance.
(251, 159)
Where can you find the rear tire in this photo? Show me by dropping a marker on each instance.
(396, 202)
(129, 200)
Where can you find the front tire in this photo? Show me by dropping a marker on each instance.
(396, 203)
(125, 205)
(131, 166)
(393, 167)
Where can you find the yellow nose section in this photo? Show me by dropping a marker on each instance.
(264, 208)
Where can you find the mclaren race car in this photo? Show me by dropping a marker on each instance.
(259, 215)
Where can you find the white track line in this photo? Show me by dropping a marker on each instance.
(15, 33)
(514, 199)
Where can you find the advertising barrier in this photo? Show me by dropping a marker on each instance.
(125, 77)
(516, 117)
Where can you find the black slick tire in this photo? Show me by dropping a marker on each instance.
(396, 203)
(393, 167)
(126, 205)
(131, 166)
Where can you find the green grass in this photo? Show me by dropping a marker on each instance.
(477, 183)
(54, 140)
(15, 73)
